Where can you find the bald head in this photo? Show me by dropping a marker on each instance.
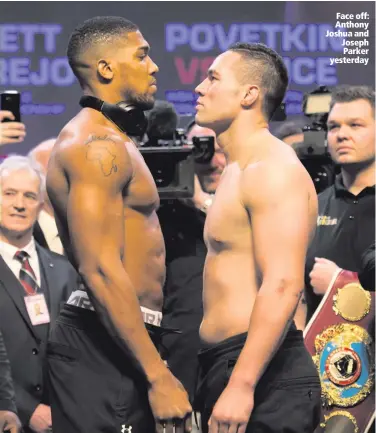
(41, 153)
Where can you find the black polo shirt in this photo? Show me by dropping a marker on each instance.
(345, 230)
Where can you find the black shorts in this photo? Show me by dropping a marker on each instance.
(287, 398)
(94, 387)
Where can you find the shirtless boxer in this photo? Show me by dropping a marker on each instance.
(105, 373)
(256, 375)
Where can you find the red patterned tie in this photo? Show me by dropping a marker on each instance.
(27, 276)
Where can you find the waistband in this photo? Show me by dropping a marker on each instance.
(80, 298)
(88, 320)
(211, 352)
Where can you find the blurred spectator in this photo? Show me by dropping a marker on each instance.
(182, 223)
(290, 132)
(346, 221)
(45, 231)
(208, 174)
(162, 122)
(8, 413)
(33, 284)
(10, 132)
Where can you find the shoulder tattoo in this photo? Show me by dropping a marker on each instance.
(98, 150)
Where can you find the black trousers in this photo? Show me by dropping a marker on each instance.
(287, 398)
(94, 386)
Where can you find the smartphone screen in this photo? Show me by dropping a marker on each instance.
(10, 101)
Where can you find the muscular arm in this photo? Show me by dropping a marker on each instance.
(98, 173)
(278, 205)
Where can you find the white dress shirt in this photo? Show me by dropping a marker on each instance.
(8, 251)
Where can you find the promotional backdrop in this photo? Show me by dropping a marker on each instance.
(317, 40)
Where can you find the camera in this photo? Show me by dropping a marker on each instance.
(313, 151)
(171, 162)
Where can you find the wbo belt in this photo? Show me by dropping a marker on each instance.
(340, 339)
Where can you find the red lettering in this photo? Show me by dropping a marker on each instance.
(187, 76)
(195, 70)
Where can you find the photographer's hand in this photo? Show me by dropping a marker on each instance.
(10, 132)
(201, 200)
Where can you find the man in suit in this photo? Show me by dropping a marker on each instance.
(8, 419)
(34, 283)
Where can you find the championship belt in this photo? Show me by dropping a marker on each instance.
(340, 339)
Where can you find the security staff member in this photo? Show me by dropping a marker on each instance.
(346, 221)
(33, 284)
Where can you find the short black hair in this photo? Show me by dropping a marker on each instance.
(287, 129)
(269, 69)
(346, 93)
(95, 31)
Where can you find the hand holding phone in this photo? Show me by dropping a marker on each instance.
(11, 128)
(11, 101)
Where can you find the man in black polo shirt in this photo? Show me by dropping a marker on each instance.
(346, 221)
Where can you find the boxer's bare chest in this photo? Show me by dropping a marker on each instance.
(141, 192)
(227, 222)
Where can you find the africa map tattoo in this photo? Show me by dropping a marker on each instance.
(97, 151)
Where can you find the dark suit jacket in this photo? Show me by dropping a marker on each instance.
(24, 342)
(7, 399)
(39, 236)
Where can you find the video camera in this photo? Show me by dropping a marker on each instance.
(313, 151)
(171, 162)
